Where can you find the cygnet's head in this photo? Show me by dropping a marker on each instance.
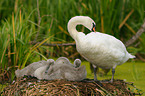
(50, 61)
(77, 63)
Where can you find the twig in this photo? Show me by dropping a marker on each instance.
(47, 44)
(140, 57)
(126, 18)
(137, 35)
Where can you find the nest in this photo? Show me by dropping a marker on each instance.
(32, 86)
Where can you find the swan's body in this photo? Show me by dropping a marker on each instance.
(29, 70)
(102, 50)
(62, 69)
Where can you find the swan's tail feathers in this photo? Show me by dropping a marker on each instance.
(131, 56)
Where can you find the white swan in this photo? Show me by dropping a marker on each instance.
(102, 50)
(30, 69)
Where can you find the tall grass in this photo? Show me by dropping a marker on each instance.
(16, 50)
(108, 15)
(20, 22)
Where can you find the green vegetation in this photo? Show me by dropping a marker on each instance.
(23, 21)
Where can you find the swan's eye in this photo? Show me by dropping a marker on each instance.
(94, 27)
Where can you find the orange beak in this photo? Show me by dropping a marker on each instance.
(93, 29)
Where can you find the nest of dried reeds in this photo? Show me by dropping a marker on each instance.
(32, 86)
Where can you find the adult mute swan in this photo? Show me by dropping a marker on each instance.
(102, 50)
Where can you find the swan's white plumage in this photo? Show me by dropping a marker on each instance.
(100, 49)
(104, 50)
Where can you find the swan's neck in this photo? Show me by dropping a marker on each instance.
(73, 23)
(79, 20)
(72, 29)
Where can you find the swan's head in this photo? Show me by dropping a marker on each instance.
(82, 20)
(89, 23)
(77, 63)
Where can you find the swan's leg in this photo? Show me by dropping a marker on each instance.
(95, 76)
(95, 72)
(113, 72)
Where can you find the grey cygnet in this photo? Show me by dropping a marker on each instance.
(62, 69)
(30, 69)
